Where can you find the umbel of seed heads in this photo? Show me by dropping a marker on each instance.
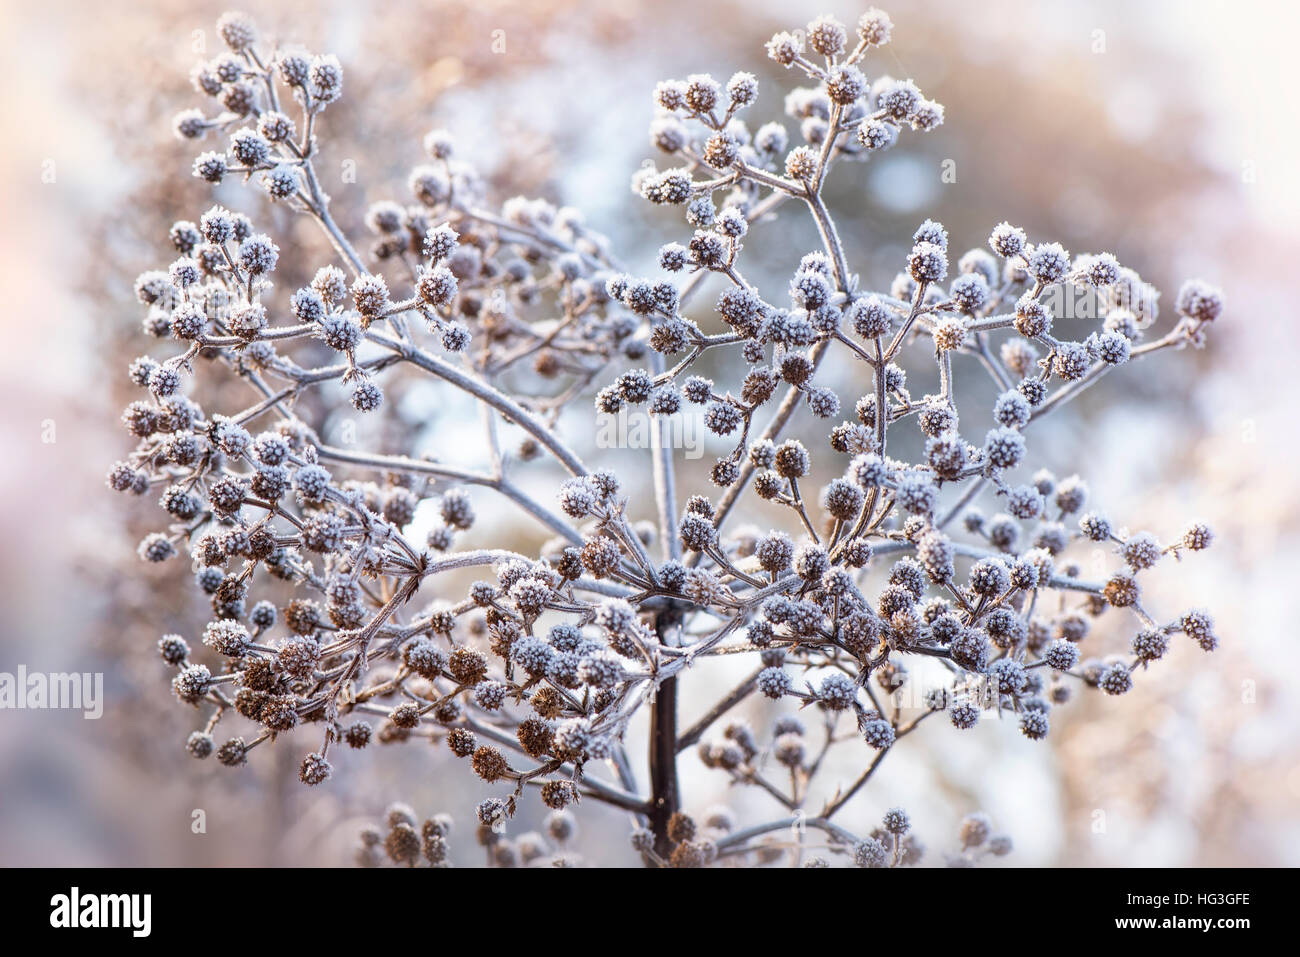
(879, 596)
(404, 841)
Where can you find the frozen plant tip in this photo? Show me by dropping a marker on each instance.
(873, 595)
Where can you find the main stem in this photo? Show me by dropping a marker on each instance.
(665, 798)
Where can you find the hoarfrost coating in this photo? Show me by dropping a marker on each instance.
(878, 573)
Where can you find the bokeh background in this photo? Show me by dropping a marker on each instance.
(1162, 131)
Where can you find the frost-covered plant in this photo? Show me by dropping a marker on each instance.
(324, 607)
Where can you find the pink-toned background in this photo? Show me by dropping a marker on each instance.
(1168, 137)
